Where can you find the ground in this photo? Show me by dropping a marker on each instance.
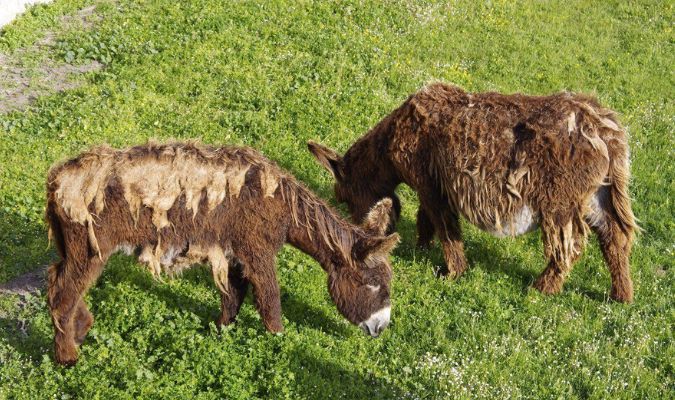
(273, 75)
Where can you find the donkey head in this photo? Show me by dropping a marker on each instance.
(361, 178)
(360, 287)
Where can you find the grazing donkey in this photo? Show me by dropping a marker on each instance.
(183, 203)
(506, 163)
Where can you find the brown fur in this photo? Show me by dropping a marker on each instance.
(506, 163)
(183, 203)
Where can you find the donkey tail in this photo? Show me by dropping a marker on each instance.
(615, 137)
(619, 175)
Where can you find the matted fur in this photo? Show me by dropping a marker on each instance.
(507, 163)
(155, 176)
(178, 204)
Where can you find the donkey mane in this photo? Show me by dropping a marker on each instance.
(318, 218)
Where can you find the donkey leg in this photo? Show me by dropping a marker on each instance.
(425, 229)
(553, 277)
(67, 284)
(83, 322)
(445, 223)
(449, 234)
(261, 273)
(231, 301)
(616, 246)
(268, 302)
(562, 246)
(62, 301)
(453, 246)
(616, 241)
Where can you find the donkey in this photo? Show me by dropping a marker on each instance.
(507, 164)
(178, 204)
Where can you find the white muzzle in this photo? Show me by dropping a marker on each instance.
(377, 321)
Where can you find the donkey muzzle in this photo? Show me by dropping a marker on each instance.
(377, 321)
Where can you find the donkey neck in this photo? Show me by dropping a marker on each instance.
(368, 160)
(318, 231)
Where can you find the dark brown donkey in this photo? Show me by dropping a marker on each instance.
(182, 203)
(506, 163)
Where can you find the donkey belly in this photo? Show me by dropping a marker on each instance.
(491, 210)
(522, 221)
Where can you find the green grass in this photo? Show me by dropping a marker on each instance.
(275, 74)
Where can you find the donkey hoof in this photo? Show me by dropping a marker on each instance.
(274, 327)
(622, 296)
(441, 271)
(224, 322)
(66, 361)
(546, 287)
(424, 244)
(65, 355)
(448, 273)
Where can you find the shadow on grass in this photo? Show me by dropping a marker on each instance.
(23, 337)
(293, 307)
(476, 252)
(303, 314)
(322, 379)
(122, 269)
(23, 256)
(489, 256)
(599, 297)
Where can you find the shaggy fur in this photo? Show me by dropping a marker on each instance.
(179, 204)
(506, 163)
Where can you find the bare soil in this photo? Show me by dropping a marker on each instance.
(22, 81)
(29, 283)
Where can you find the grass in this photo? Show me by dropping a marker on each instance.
(272, 75)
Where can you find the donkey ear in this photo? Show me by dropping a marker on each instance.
(387, 244)
(378, 217)
(379, 245)
(328, 158)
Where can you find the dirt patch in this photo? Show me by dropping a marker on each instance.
(27, 73)
(85, 18)
(29, 283)
(25, 292)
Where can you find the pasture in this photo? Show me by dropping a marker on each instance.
(272, 75)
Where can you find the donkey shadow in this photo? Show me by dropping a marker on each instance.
(23, 254)
(318, 378)
(24, 337)
(124, 270)
(303, 314)
(477, 252)
(490, 256)
(293, 307)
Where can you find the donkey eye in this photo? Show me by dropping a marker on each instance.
(373, 288)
